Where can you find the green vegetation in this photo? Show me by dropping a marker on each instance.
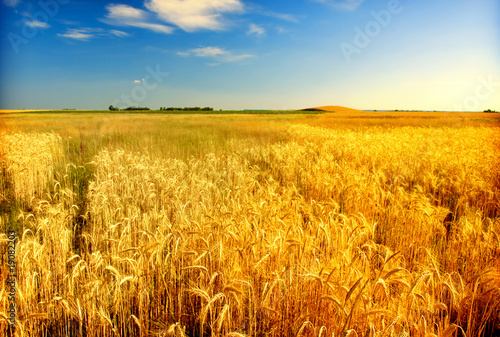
(132, 108)
(187, 109)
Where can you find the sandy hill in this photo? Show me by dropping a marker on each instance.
(332, 108)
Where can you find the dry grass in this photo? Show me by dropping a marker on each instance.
(334, 108)
(318, 232)
(27, 164)
(23, 110)
(404, 118)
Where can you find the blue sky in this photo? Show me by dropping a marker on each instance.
(238, 54)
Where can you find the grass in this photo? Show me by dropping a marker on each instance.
(179, 112)
(184, 135)
(253, 225)
(171, 135)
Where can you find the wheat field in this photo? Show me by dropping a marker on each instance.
(369, 231)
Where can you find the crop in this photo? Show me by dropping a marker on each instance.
(27, 163)
(373, 231)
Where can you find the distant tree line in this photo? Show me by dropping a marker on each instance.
(186, 109)
(138, 108)
(489, 110)
(131, 108)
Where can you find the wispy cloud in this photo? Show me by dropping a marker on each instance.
(257, 30)
(192, 15)
(281, 16)
(345, 5)
(120, 12)
(218, 54)
(230, 57)
(37, 24)
(124, 15)
(188, 15)
(68, 22)
(208, 52)
(137, 81)
(118, 33)
(11, 3)
(85, 34)
(282, 30)
(261, 10)
(82, 34)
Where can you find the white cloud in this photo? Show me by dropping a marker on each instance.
(137, 81)
(218, 54)
(37, 24)
(83, 34)
(192, 15)
(124, 15)
(208, 52)
(120, 12)
(346, 5)
(256, 30)
(152, 26)
(261, 10)
(230, 57)
(118, 33)
(11, 3)
(281, 16)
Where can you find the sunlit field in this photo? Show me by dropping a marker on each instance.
(375, 224)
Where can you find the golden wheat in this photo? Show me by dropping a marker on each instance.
(377, 231)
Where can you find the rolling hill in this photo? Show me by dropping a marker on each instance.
(332, 108)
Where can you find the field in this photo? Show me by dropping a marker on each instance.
(335, 224)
